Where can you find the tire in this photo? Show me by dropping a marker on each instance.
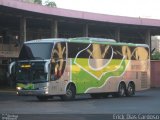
(121, 91)
(70, 93)
(130, 90)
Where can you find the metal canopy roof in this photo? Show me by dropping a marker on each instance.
(35, 8)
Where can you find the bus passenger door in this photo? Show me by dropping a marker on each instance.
(58, 63)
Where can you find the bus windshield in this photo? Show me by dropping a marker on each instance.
(34, 51)
(31, 73)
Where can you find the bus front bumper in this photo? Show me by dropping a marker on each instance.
(32, 92)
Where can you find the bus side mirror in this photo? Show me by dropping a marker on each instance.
(11, 65)
(46, 67)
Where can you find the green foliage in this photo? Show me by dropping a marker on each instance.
(155, 56)
(38, 1)
(29, 1)
(50, 3)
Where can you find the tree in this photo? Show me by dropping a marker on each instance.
(30, 1)
(38, 1)
(50, 3)
(155, 55)
(33, 1)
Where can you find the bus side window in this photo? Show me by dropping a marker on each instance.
(117, 52)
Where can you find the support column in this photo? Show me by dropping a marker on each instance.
(22, 30)
(54, 28)
(148, 38)
(117, 34)
(85, 30)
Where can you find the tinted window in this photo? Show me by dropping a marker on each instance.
(96, 51)
(33, 73)
(36, 51)
(75, 48)
(117, 52)
(131, 52)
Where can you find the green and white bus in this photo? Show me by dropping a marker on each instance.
(84, 65)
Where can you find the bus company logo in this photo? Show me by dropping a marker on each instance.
(136, 117)
(9, 117)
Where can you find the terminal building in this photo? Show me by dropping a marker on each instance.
(21, 21)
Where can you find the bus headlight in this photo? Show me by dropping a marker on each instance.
(45, 89)
(19, 88)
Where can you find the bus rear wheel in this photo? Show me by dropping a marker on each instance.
(70, 93)
(130, 90)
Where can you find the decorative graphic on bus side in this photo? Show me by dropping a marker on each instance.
(86, 76)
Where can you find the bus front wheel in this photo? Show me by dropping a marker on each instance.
(70, 93)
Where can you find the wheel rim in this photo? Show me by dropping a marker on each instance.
(69, 93)
(130, 90)
(122, 90)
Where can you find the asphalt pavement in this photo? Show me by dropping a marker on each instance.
(82, 108)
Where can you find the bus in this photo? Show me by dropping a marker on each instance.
(83, 65)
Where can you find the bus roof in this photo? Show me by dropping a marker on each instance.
(103, 41)
(48, 40)
(91, 40)
(85, 40)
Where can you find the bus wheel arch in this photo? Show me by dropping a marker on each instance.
(70, 92)
(130, 91)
